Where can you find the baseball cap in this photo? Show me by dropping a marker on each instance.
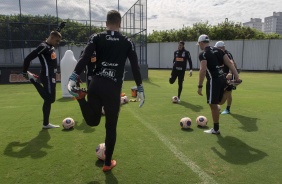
(203, 38)
(219, 44)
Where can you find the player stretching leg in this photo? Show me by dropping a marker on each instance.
(112, 49)
(48, 60)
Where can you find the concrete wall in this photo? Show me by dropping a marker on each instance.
(248, 54)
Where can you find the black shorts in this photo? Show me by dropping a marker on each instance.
(49, 85)
(215, 89)
(177, 74)
(105, 92)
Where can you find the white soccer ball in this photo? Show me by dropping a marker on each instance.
(201, 121)
(125, 99)
(185, 122)
(101, 151)
(68, 123)
(174, 99)
(121, 100)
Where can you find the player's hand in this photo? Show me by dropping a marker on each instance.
(61, 26)
(190, 73)
(229, 76)
(200, 91)
(25, 75)
(140, 95)
(72, 87)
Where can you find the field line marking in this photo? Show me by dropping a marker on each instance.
(182, 157)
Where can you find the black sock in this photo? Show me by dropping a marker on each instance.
(216, 126)
(228, 108)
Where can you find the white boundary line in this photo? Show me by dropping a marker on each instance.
(182, 157)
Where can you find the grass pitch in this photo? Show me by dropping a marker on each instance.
(151, 147)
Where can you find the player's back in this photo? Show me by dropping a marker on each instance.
(112, 49)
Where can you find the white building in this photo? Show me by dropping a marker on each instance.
(255, 23)
(273, 24)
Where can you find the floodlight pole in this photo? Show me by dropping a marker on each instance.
(118, 5)
(90, 14)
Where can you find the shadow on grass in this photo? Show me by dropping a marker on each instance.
(249, 124)
(67, 99)
(31, 148)
(195, 108)
(110, 177)
(149, 81)
(83, 126)
(237, 152)
(187, 129)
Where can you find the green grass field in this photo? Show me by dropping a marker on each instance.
(151, 147)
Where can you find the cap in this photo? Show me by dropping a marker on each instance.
(219, 44)
(203, 38)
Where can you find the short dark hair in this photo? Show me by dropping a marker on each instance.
(56, 34)
(182, 42)
(113, 17)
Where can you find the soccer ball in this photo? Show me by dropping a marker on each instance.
(125, 99)
(121, 100)
(201, 121)
(174, 99)
(101, 151)
(185, 123)
(68, 123)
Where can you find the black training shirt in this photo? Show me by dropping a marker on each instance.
(47, 57)
(214, 58)
(112, 49)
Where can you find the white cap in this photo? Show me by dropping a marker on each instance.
(203, 38)
(219, 44)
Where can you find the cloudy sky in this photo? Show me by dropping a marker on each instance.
(162, 14)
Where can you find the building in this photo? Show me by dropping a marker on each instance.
(255, 23)
(273, 24)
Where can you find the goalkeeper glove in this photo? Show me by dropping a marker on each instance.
(61, 26)
(72, 85)
(140, 95)
(190, 73)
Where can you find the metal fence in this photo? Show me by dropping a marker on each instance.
(24, 24)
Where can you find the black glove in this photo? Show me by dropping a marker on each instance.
(61, 26)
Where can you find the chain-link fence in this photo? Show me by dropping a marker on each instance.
(26, 23)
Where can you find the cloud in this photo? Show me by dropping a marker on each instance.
(161, 15)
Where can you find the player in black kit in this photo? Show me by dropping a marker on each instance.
(181, 57)
(212, 59)
(227, 96)
(112, 49)
(48, 60)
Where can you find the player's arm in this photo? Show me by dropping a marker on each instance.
(202, 74)
(85, 57)
(174, 58)
(31, 56)
(133, 59)
(190, 63)
(80, 67)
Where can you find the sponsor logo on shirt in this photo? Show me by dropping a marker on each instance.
(109, 38)
(179, 59)
(53, 55)
(108, 73)
(104, 63)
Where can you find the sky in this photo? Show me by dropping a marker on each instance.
(161, 14)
